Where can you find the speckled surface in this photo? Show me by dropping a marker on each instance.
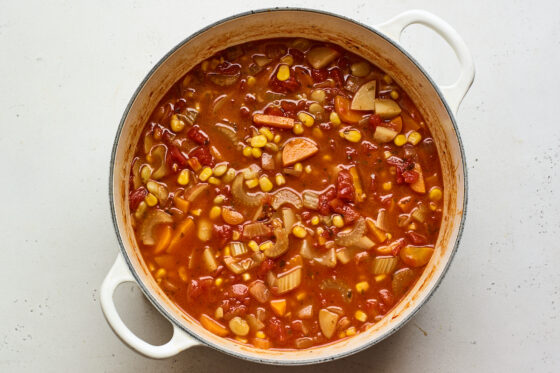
(68, 70)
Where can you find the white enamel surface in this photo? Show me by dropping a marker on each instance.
(71, 70)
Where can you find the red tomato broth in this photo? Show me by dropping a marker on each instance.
(337, 295)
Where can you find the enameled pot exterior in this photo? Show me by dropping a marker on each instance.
(380, 46)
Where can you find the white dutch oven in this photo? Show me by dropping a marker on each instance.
(380, 46)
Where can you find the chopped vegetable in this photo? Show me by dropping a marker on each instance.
(242, 197)
(298, 149)
(213, 326)
(209, 260)
(239, 326)
(273, 121)
(418, 186)
(286, 196)
(259, 291)
(364, 99)
(327, 322)
(402, 279)
(238, 248)
(384, 265)
(281, 245)
(346, 114)
(384, 135)
(256, 229)
(231, 216)
(353, 236)
(310, 200)
(416, 256)
(386, 108)
(152, 219)
(320, 57)
(278, 306)
(288, 281)
(181, 232)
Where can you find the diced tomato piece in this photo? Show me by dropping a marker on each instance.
(372, 307)
(350, 213)
(224, 232)
(274, 110)
(274, 50)
(197, 135)
(368, 147)
(289, 108)
(289, 85)
(324, 200)
(374, 121)
(410, 177)
(319, 75)
(136, 196)
(345, 186)
(174, 155)
(397, 245)
(387, 300)
(239, 290)
(202, 153)
(228, 68)
(276, 330)
(180, 105)
(336, 74)
(297, 54)
(416, 238)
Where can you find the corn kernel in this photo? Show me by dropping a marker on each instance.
(433, 206)
(283, 73)
(334, 118)
(297, 129)
(177, 124)
(184, 177)
(236, 235)
(227, 251)
(219, 281)
(301, 296)
(412, 226)
(160, 273)
(251, 183)
(272, 147)
(352, 135)
(220, 169)
(196, 212)
(260, 334)
(380, 278)
(277, 138)
(389, 236)
(360, 316)
(362, 287)
(306, 119)
(387, 154)
(253, 245)
(299, 231)
(387, 186)
(141, 209)
(288, 60)
(280, 179)
(256, 152)
(219, 313)
(258, 141)
(319, 95)
(338, 221)
(435, 194)
(229, 176)
(145, 173)
(341, 334)
(266, 132)
(317, 132)
(400, 140)
(315, 108)
(394, 95)
(327, 158)
(266, 246)
(414, 138)
(265, 183)
(246, 277)
(241, 339)
(308, 169)
(298, 167)
(315, 220)
(388, 79)
(214, 180)
(351, 331)
(151, 200)
(151, 266)
(215, 212)
(205, 174)
(247, 151)
(251, 80)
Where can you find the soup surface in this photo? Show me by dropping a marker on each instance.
(286, 193)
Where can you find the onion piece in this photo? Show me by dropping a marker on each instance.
(364, 243)
(344, 255)
(353, 237)
(254, 323)
(381, 221)
(267, 162)
(259, 291)
(148, 143)
(384, 265)
(194, 192)
(158, 154)
(136, 179)
(305, 312)
(288, 218)
(256, 229)
(227, 131)
(420, 213)
(209, 260)
(328, 259)
(158, 189)
(238, 248)
(338, 285)
(310, 200)
(402, 279)
(153, 218)
(271, 279)
(242, 197)
(288, 281)
(286, 195)
(238, 266)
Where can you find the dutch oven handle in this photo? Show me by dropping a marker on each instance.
(120, 274)
(455, 92)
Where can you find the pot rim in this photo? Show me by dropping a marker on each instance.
(274, 361)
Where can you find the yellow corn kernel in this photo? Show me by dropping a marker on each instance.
(247, 151)
(151, 200)
(151, 266)
(360, 316)
(317, 132)
(283, 73)
(389, 236)
(265, 183)
(177, 124)
(315, 220)
(352, 135)
(184, 177)
(266, 245)
(327, 158)
(338, 221)
(258, 141)
(400, 140)
(145, 173)
(297, 129)
(160, 273)
(219, 313)
(219, 170)
(219, 199)
(214, 180)
(414, 138)
(380, 278)
(227, 251)
(308, 169)
(280, 179)
(433, 206)
(288, 60)
(270, 146)
(412, 226)
(246, 277)
(387, 154)
(241, 339)
(236, 235)
(298, 167)
(435, 194)
(351, 331)
(388, 79)
(306, 119)
(182, 272)
(334, 118)
(253, 245)
(196, 212)
(301, 295)
(251, 183)
(321, 240)
(299, 231)
(387, 186)
(229, 176)
(215, 212)
(205, 174)
(394, 95)
(256, 152)
(141, 209)
(341, 334)
(277, 138)
(260, 334)
(219, 281)
(362, 287)
(204, 65)
(251, 81)
(267, 133)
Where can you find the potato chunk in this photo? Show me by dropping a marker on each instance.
(364, 99)
(387, 108)
(320, 57)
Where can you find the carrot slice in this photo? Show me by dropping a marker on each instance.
(213, 326)
(278, 306)
(273, 121)
(418, 186)
(342, 108)
(164, 239)
(180, 203)
(298, 149)
(182, 230)
(396, 124)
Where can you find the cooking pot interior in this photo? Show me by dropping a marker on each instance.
(314, 25)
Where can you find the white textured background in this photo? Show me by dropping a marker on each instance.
(67, 71)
